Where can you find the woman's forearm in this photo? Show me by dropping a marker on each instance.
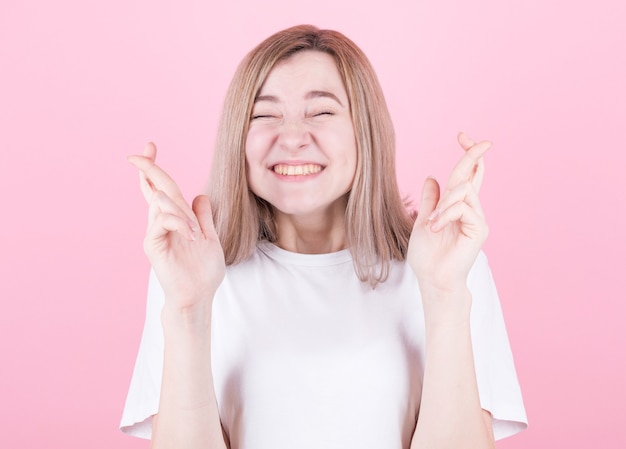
(188, 416)
(450, 414)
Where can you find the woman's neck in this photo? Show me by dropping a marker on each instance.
(319, 232)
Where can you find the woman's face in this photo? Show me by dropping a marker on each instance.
(300, 150)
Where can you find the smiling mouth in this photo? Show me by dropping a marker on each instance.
(297, 170)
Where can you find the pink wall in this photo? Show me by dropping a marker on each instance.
(84, 83)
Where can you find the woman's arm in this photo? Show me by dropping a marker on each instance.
(446, 239)
(450, 413)
(185, 253)
(188, 415)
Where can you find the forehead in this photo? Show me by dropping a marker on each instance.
(302, 72)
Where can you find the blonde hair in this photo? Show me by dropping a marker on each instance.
(378, 224)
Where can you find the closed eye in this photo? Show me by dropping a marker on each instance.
(318, 114)
(257, 116)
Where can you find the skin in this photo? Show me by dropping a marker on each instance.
(302, 119)
(290, 126)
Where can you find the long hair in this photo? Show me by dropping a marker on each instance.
(378, 224)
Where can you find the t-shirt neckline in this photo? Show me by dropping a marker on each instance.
(311, 260)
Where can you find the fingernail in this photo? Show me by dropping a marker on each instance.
(434, 214)
(192, 226)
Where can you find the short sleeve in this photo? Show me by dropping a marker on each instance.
(498, 385)
(142, 400)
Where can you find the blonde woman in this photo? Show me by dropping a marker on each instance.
(300, 305)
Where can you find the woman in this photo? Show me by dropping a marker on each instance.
(302, 305)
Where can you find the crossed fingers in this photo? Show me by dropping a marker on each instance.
(168, 209)
(459, 202)
(471, 166)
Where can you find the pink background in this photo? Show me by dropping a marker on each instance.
(85, 83)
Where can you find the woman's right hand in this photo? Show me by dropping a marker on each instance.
(181, 242)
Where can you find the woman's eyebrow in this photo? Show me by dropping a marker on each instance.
(322, 93)
(271, 98)
(308, 96)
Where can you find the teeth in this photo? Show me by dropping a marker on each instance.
(297, 170)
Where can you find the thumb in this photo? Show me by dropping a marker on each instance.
(430, 198)
(202, 208)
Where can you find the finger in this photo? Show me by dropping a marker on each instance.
(465, 169)
(145, 184)
(472, 224)
(479, 170)
(150, 151)
(463, 193)
(147, 188)
(155, 174)
(163, 225)
(161, 203)
(158, 179)
(202, 208)
(479, 174)
(430, 198)
(465, 141)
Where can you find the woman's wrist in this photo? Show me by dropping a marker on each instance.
(446, 306)
(187, 314)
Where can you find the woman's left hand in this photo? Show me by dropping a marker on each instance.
(450, 227)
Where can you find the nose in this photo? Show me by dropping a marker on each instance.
(294, 136)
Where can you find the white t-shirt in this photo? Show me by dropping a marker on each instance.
(305, 355)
